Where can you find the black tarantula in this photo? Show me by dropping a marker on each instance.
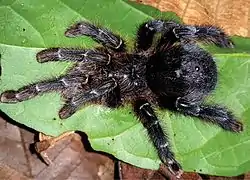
(168, 70)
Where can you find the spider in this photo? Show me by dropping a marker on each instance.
(167, 68)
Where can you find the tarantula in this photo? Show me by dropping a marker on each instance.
(169, 70)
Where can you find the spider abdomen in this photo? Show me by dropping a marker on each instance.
(182, 70)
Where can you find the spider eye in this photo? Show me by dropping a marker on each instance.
(197, 68)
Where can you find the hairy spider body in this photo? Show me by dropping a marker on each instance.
(173, 72)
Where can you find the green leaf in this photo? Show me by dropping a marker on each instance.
(26, 26)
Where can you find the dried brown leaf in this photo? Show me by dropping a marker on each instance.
(133, 173)
(128, 171)
(8, 173)
(69, 159)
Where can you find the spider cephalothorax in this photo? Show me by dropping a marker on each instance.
(171, 70)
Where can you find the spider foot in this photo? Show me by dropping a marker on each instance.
(174, 167)
(47, 55)
(9, 97)
(222, 117)
(169, 160)
(67, 111)
(81, 28)
(233, 125)
(100, 35)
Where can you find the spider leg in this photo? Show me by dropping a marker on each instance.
(71, 54)
(207, 34)
(33, 90)
(215, 114)
(101, 35)
(172, 32)
(150, 121)
(77, 101)
(147, 31)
